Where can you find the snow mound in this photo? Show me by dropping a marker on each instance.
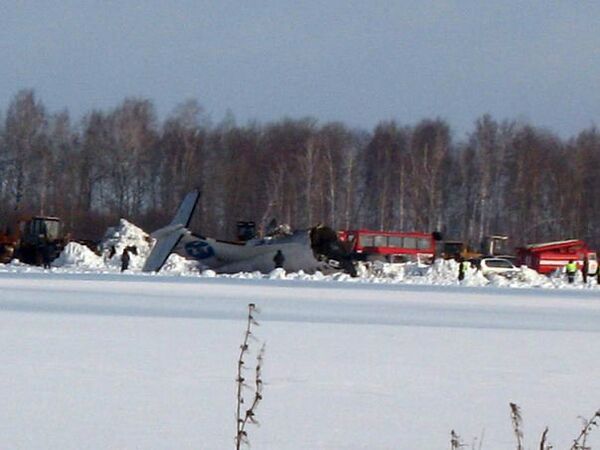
(116, 240)
(126, 236)
(177, 264)
(78, 256)
(277, 274)
(441, 272)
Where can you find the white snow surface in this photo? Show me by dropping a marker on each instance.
(394, 359)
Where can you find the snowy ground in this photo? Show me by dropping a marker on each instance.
(100, 360)
(393, 359)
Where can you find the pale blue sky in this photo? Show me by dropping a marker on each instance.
(354, 61)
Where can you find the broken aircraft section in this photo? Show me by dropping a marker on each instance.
(315, 249)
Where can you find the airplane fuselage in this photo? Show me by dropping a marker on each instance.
(254, 255)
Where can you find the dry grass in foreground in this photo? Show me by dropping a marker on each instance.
(579, 443)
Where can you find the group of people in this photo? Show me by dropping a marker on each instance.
(589, 270)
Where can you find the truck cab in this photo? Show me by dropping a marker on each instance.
(35, 240)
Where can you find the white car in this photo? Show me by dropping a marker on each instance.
(500, 266)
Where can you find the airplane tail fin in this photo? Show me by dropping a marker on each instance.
(186, 209)
(168, 237)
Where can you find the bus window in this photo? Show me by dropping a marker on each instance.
(410, 242)
(423, 244)
(365, 240)
(380, 241)
(395, 241)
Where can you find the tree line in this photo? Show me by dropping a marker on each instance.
(506, 177)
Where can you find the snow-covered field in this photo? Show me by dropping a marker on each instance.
(395, 359)
(102, 360)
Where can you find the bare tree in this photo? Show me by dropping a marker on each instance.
(385, 166)
(429, 154)
(25, 141)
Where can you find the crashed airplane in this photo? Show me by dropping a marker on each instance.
(316, 249)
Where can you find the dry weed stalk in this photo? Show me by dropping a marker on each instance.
(588, 425)
(248, 416)
(544, 445)
(455, 441)
(479, 447)
(517, 423)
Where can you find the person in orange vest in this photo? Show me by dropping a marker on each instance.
(571, 270)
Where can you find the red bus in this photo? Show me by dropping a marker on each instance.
(391, 246)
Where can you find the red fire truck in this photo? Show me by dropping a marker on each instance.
(391, 246)
(549, 256)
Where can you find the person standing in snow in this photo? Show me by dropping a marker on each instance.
(585, 268)
(125, 260)
(46, 255)
(571, 270)
(279, 259)
(592, 270)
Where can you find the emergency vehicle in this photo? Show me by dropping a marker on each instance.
(548, 256)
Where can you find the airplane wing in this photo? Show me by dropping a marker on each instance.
(161, 250)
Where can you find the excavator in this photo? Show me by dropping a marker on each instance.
(35, 240)
(492, 245)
